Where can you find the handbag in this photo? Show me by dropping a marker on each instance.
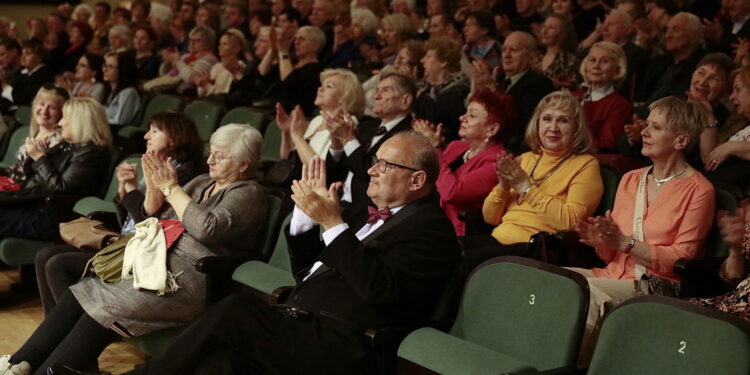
(107, 263)
(87, 234)
(646, 284)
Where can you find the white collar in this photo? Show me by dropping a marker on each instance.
(600, 93)
(392, 124)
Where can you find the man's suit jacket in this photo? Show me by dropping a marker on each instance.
(361, 159)
(527, 93)
(25, 86)
(393, 277)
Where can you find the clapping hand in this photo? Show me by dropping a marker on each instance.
(36, 148)
(126, 176)
(298, 124)
(158, 173)
(633, 131)
(283, 121)
(601, 232)
(341, 126)
(482, 76)
(429, 130)
(510, 174)
(313, 198)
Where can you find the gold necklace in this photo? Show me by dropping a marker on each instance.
(538, 182)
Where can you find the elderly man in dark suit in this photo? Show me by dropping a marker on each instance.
(525, 86)
(352, 148)
(376, 267)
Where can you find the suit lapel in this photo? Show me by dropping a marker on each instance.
(404, 124)
(394, 221)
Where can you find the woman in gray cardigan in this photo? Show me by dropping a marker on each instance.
(224, 212)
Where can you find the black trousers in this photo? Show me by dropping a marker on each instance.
(57, 268)
(480, 248)
(243, 335)
(68, 336)
(27, 221)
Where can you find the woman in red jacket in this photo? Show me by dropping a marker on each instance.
(467, 166)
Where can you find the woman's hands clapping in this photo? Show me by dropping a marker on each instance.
(601, 232)
(429, 130)
(157, 172)
(36, 148)
(510, 174)
(126, 176)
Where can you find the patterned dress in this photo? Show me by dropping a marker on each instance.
(734, 302)
(565, 63)
(22, 169)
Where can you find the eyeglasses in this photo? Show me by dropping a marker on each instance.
(382, 165)
(110, 66)
(217, 157)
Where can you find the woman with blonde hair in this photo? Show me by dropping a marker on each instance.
(339, 93)
(607, 112)
(397, 28)
(72, 167)
(548, 189)
(213, 209)
(230, 69)
(662, 213)
(558, 62)
(46, 111)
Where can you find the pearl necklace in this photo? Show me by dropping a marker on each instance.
(659, 182)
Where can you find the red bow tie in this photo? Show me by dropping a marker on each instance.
(374, 214)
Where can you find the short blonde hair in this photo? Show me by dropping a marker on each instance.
(566, 101)
(370, 21)
(682, 117)
(352, 95)
(401, 23)
(615, 52)
(236, 37)
(55, 93)
(88, 121)
(243, 142)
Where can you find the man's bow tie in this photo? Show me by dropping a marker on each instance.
(374, 214)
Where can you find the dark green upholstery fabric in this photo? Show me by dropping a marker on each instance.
(156, 343)
(205, 114)
(271, 143)
(715, 245)
(23, 115)
(646, 337)
(159, 103)
(244, 115)
(91, 204)
(18, 252)
(266, 277)
(524, 314)
(16, 141)
(611, 180)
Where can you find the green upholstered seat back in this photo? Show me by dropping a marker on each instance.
(205, 114)
(524, 309)
(244, 115)
(16, 140)
(657, 335)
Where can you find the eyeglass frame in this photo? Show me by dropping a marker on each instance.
(385, 164)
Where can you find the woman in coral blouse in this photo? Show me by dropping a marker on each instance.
(467, 166)
(548, 189)
(676, 207)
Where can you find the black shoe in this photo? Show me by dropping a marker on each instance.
(65, 370)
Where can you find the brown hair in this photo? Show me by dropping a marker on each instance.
(185, 143)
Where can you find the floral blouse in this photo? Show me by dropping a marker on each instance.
(564, 64)
(734, 302)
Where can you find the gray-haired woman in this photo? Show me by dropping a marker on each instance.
(224, 213)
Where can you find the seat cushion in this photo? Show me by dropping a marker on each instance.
(262, 276)
(88, 205)
(18, 252)
(156, 343)
(446, 354)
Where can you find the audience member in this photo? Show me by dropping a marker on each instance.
(177, 71)
(723, 35)
(548, 189)
(120, 38)
(81, 35)
(396, 29)
(662, 213)
(10, 64)
(231, 68)
(527, 18)
(213, 210)
(146, 61)
(339, 91)
(236, 17)
(123, 100)
(607, 112)
(139, 10)
(352, 148)
(88, 80)
(323, 16)
(441, 94)
(46, 112)
(558, 62)
(299, 80)
(467, 166)
(170, 135)
(479, 35)
(443, 25)
(208, 16)
(71, 167)
(319, 329)
(33, 75)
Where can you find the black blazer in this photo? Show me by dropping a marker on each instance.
(526, 93)
(392, 278)
(25, 86)
(361, 159)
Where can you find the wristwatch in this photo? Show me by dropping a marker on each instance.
(166, 190)
(629, 244)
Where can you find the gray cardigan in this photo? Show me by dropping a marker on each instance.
(231, 222)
